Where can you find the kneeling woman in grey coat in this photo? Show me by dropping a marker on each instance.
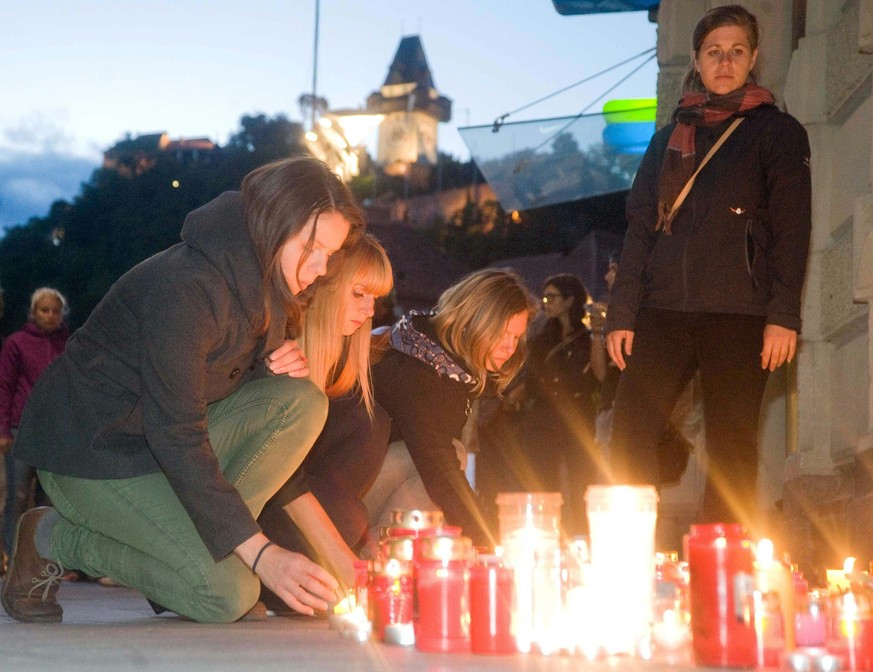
(181, 406)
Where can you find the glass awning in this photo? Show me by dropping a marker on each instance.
(531, 164)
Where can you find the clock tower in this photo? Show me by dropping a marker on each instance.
(412, 108)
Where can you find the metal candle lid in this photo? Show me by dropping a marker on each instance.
(415, 519)
(398, 548)
(446, 548)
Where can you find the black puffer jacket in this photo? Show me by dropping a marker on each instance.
(739, 242)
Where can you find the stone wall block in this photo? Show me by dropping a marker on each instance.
(846, 68)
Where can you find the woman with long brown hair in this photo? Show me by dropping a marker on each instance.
(181, 406)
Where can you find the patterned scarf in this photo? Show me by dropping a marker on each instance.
(697, 109)
(408, 340)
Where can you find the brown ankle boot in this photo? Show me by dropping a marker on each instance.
(32, 582)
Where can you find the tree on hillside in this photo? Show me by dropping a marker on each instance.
(116, 221)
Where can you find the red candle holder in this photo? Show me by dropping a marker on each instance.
(442, 579)
(851, 637)
(391, 596)
(811, 621)
(769, 629)
(491, 585)
(721, 596)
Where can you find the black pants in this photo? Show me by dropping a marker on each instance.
(668, 348)
(527, 452)
(340, 468)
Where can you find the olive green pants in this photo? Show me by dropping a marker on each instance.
(136, 531)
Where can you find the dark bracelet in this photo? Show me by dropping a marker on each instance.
(260, 553)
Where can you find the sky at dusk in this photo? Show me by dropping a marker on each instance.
(77, 76)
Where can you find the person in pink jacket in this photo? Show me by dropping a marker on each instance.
(24, 357)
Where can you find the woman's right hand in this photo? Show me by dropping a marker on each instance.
(619, 343)
(299, 582)
(5, 445)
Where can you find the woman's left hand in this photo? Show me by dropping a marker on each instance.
(288, 359)
(780, 344)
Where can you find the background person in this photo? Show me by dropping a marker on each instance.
(24, 357)
(566, 364)
(160, 434)
(717, 287)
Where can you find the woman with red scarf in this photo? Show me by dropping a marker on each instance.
(713, 285)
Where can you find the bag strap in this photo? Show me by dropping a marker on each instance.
(690, 183)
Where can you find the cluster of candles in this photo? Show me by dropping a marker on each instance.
(431, 589)
(731, 603)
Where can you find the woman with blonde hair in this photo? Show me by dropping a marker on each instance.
(346, 456)
(437, 364)
(24, 357)
(336, 331)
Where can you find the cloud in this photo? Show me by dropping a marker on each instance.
(39, 133)
(31, 182)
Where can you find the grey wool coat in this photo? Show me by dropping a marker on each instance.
(129, 395)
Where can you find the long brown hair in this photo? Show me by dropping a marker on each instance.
(471, 316)
(280, 198)
(338, 364)
(726, 15)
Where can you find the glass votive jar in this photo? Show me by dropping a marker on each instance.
(621, 520)
(671, 624)
(851, 631)
(531, 542)
(491, 586)
(442, 580)
(363, 570)
(811, 620)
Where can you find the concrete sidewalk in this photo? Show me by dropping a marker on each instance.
(113, 629)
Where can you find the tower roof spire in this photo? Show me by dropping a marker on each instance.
(410, 65)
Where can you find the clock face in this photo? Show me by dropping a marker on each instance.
(397, 134)
(399, 139)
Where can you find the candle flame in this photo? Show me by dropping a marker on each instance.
(764, 551)
(849, 565)
(345, 605)
(393, 568)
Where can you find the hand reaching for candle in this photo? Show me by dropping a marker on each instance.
(302, 585)
(288, 359)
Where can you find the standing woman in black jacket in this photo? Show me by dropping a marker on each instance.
(716, 284)
(181, 406)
